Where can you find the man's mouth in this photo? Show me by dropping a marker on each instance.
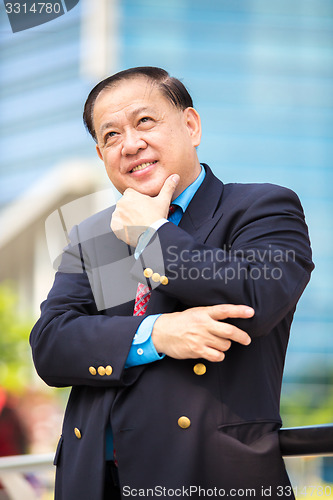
(142, 166)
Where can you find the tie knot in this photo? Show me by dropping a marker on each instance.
(172, 210)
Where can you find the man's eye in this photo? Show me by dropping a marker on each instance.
(145, 119)
(109, 135)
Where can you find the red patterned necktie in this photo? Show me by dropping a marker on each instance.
(143, 294)
(172, 210)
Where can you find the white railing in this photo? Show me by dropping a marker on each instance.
(12, 474)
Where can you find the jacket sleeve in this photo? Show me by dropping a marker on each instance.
(264, 261)
(73, 343)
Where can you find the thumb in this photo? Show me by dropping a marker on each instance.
(168, 188)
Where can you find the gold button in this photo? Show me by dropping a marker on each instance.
(184, 422)
(101, 370)
(147, 272)
(156, 277)
(164, 280)
(199, 369)
(108, 370)
(77, 433)
(92, 370)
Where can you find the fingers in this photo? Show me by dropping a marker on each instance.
(199, 332)
(213, 355)
(223, 311)
(168, 188)
(231, 332)
(215, 348)
(225, 330)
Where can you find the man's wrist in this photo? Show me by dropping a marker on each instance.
(147, 235)
(143, 350)
(155, 334)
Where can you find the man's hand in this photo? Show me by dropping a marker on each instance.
(199, 333)
(135, 211)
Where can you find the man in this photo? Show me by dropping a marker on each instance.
(182, 375)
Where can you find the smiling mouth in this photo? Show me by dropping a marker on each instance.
(142, 166)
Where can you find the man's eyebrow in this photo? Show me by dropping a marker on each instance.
(135, 112)
(142, 109)
(106, 126)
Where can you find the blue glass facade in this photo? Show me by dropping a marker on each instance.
(41, 96)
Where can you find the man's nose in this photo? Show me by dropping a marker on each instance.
(133, 142)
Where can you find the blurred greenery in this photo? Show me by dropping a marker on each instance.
(15, 326)
(308, 400)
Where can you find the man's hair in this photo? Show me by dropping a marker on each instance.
(170, 87)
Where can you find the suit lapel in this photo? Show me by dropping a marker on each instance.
(204, 210)
(200, 218)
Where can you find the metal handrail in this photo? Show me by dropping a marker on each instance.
(12, 474)
(26, 463)
(306, 441)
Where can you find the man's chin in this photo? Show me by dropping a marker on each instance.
(149, 190)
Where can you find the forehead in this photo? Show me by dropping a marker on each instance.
(127, 95)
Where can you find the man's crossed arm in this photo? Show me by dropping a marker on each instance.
(198, 332)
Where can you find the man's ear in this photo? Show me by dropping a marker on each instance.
(99, 152)
(193, 124)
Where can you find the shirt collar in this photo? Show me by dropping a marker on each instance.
(183, 200)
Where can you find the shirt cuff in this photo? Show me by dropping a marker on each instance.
(147, 235)
(142, 350)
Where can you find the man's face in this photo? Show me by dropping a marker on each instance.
(142, 138)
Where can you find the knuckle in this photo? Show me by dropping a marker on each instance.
(195, 348)
(227, 345)
(216, 356)
(221, 357)
(196, 311)
(115, 225)
(198, 316)
(224, 308)
(228, 329)
(117, 213)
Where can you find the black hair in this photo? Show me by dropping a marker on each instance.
(172, 88)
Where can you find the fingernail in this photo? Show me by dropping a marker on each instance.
(175, 178)
(249, 311)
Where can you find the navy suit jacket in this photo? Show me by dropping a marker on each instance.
(236, 243)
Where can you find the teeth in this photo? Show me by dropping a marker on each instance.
(143, 165)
